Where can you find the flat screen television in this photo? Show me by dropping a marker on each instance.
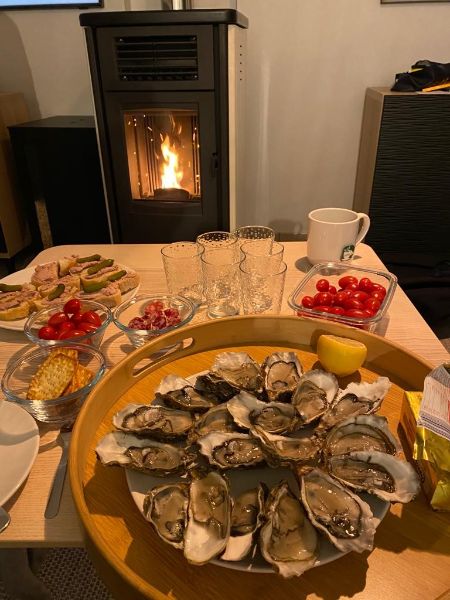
(23, 4)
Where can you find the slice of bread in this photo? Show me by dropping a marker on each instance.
(110, 295)
(44, 302)
(69, 281)
(99, 277)
(45, 273)
(65, 264)
(129, 281)
(17, 305)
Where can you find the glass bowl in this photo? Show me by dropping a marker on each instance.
(135, 307)
(40, 318)
(61, 411)
(333, 272)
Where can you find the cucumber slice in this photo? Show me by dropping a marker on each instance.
(56, 293)
(4, 287)
(86, 259)
(101, 265)
(93, 286)
(116, 276)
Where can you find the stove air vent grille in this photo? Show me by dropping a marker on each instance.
(157, 58)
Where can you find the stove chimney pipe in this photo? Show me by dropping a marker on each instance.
(176, 4)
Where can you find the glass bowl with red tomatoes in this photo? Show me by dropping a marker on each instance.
(149, 315)
(80, 321)
(351, 295)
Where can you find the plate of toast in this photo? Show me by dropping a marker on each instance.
(91, 277)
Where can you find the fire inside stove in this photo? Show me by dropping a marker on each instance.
(163, 152)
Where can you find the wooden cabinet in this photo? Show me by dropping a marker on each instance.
(14, 230)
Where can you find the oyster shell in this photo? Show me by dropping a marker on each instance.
(231, 450)
(274, 417)
(216, 419)
(179, 393)
(314, 393)
(282, 371)
(364, 432)
(158, 421)
(240, 370)
(166, 506)
(346, 520)
(288, 541)
(377, 473)
(357, 399)
(209, 518)
(283, 451)
(148, 456)
(246, 518)
(215, 388)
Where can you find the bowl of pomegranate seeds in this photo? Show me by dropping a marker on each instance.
(352, 295)
(146, 316)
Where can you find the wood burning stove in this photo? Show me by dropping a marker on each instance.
(166, 88)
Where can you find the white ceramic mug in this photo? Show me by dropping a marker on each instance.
(333, 234)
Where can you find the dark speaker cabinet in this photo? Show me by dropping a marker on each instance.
(58, 164)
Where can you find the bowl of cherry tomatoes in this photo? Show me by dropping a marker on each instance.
(351, 295)
(80, 321)
(146, 316)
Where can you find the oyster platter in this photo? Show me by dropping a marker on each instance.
(261, 466)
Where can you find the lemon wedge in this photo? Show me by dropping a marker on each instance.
(339, 355)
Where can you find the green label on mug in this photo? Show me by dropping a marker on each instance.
(347, 252)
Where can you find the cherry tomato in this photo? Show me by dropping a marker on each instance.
(365, 285)
(372, 304)
(358, 314)
(332, 289)
(360, 295)
(377, 287)
(307, 301)
(352, 287)
(71, 333)
(320, 308)
(378, 294)
(322, 285)
(76, 317)
(323, 299)
(72, 306)
(90, 316)
(87, 327)
(47, 333)
(57, 318)
(345, 281)
(352, 303)
(341, 296)
(337, 310)
(66, 326)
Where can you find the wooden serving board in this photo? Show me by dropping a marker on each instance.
(133, 560)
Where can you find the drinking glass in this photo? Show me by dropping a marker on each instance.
(183, 269)
(262, 286)
(257, 234)
(257, 252)
(216, 240)
(221, 282)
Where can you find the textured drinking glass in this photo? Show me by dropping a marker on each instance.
(257, 234)
(258, 253)
(216, 240)
(221, 282)
(263, 287)
(183, 269)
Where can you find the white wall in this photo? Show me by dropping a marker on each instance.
(309, 63)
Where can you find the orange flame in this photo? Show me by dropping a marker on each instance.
(171, 173)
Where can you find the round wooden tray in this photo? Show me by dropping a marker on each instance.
(131, 558)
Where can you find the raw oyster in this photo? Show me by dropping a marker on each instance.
(177, 392)
(288, 541)
(231, 450)
(315, 392)
(356, 399)
(217, 418)
(158, 421)
(364, 432)
(282, 371)
(246, 518)
(274, 417)
(209, 518)
(149, 456)
(283, 451)
(240, 370)
(165, 506)
(377, 473)
(343, 516)
(215, 388)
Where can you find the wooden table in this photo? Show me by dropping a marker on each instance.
(430, 576)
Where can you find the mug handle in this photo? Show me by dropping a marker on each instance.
(365, 227)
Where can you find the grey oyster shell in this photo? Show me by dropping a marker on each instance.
(315, 391)
(148, 456)
(157, 421)
(283, 451)
(346, 519)
(240, 370)
(282, 371)
(287, 540)
(179, 393)
(231, 450)
(274, 417)
(209, 518)
(217, 419)
(215, 388)
(357, 399)
(363, 432)
(377, 473)
(246, 518)
(166, 506)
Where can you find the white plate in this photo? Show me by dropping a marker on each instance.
(19, 445)
(24, 276)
